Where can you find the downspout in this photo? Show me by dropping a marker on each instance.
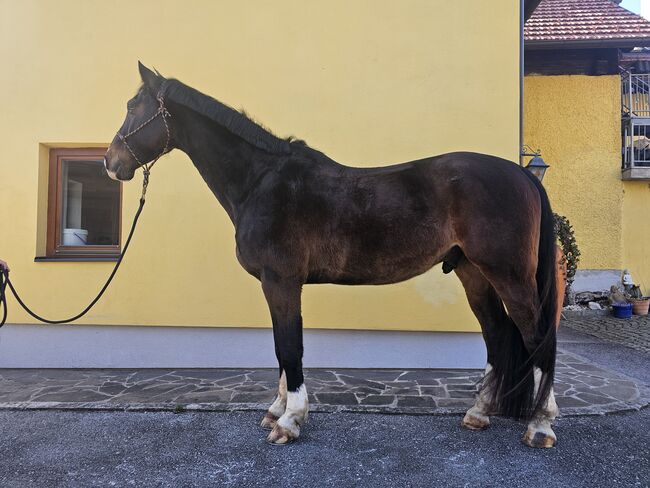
(521, 81)
(526, 9)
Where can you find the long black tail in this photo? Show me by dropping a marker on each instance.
(511, 381)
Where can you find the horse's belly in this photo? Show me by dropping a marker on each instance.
(373, 272)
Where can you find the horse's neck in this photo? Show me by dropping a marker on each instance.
(228, 165)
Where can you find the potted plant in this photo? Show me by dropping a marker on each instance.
(621, 307)
(568, 258)
(640, 303)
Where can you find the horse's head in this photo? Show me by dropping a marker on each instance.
(144, 135)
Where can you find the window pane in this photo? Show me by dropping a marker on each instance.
(90, 212)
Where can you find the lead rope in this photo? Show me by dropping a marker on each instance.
(6, 281)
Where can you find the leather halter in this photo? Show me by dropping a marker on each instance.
(161, 112)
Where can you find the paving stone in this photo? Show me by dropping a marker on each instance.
(81, 396)
(460, 380)
(593, 381)
(467, 387)
(267, 375)
(252, 387)
(336, 388)
(435, 391)
(146, 374)
(594, 399)
(455, 402)
(210, 396)
(624, 391)
(563, 402)
(633, 332)
(399, 391)
(415, 401)
(231, 381)
(586, 367)
(365, 390)
(112, 388)
(425, 374)
(337, 398)
(354, 381)
(378, 400)
(253, 397)
(401, 384)
(461, 394)
(380, 375)
(319, 374)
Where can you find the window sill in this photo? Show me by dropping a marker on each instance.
(76, 259)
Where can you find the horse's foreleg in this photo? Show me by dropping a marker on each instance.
(488, 308)
(283, 297)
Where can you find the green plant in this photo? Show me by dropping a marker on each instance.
(571, 253)
(635, 292)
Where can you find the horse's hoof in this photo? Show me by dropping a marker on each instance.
(269, 421)
(475, 422)
(280, 436)
(540, 439)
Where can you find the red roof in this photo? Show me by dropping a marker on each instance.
(576, 21)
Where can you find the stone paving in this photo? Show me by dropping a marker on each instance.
(633, 332)
(581, 389)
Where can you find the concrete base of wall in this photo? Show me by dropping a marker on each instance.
(596, 279)
(81, 346)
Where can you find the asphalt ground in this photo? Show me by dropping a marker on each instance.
(87, 449)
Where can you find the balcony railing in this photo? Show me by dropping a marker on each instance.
(635, 94)
(635, 127)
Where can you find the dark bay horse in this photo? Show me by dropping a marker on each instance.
(302, 218)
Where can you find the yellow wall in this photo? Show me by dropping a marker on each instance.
(576, 122)
(368, 82)
(636, 232)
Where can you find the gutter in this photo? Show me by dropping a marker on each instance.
(588, 43)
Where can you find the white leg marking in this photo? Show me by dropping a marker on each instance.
(477, 416)
(297, 410)
(539, 432)
(278, 406)
(288, 425)
(280, 403)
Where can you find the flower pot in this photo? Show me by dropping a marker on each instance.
(622, 310)
(640, 306)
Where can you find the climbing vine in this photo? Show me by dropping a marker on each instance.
(571, 253)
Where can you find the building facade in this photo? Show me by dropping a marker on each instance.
(574, 113)
(369, 83)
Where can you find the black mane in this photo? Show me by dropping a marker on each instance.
(236, 122)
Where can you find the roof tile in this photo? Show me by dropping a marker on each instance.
(588, 20)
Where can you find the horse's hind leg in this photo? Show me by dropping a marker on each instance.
(517, 287)
(539, 432)
(489, 310)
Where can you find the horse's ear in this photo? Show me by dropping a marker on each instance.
(150, 79)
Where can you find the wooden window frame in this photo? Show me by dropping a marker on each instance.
(54, 249)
